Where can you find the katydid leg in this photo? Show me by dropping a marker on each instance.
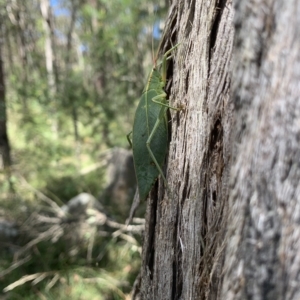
(164, 62)
(128, 138)
(165, 103)
(159, 119)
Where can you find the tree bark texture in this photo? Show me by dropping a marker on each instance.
(262, 255)
(183, 236)
(230, 228)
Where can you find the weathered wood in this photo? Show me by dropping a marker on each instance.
(257, 124)
(184, 233)
(262, 257)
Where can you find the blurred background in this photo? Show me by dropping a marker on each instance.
(71, 75)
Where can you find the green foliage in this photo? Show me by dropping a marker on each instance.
(56, 132)
(64, 280)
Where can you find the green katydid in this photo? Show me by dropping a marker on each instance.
(150, 130)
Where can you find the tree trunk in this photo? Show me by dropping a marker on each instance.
(49, 56)
(262, 256)
(48, 28)
(5, 159)
(230, 229)
(69, 64)
(184, 232)
(22, 45)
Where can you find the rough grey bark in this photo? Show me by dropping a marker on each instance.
(262, 256)
(231, 228)
(184, 232)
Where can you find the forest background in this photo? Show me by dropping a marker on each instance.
(72, 74)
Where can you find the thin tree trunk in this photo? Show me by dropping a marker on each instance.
(47, 24)
(69, 64)
(48, 28)
(229, 232)
(5, 159)
(21, 41)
